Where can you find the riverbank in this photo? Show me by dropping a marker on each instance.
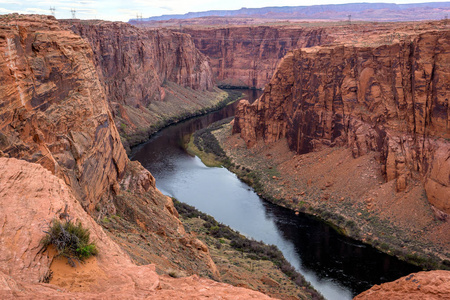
(178, 105)
(243, 262)
(204, 145)
(349, 194)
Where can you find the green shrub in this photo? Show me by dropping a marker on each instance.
(70, 240)
(87, 251)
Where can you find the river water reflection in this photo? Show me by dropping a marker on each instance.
(336, 266)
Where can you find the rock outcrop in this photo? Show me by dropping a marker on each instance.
(151, 77)
(30, 198)
(134, 63)
(54, 112)
(417, 286)
(53, 108)
(247, 56)
(390, 98)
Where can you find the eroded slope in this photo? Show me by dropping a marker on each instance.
(151, 77)
(392, 99)
(367, 126)
(54, 112)
(31, 198)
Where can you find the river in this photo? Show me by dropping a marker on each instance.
(337, 266)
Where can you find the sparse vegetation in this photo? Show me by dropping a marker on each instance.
(250, 248)
(70, 240)
(205, 145)
(131, 138)
(342, 223)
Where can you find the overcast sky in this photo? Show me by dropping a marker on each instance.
(123, 10)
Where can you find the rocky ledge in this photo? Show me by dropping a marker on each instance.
(417, 286)
(31, 198)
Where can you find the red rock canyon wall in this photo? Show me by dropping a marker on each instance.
(54, 112)
(392, 99)
(133, 63)
(151, 77)
(53, 109)
(248, 55)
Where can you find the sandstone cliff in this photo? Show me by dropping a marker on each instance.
(391, 99)
(248, 55)
(134, 62)
(30, 198)
(151, 77)
(53, 108)
(53, 111)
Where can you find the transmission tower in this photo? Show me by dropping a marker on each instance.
(349, 19)
(52, 10)
(73, 11)
(138, 18)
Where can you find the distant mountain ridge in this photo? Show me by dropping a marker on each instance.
(365, 11)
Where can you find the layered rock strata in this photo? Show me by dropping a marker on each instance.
(54, 112)
(133, 63)
(151, 77)
(247, 56)
(53, 109)
(30, 198)
(391, 99)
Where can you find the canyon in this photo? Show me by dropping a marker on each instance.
(60, 150)
(247, 56)
(360, 123)
(151, 78)
(74, 93)
(31, 194)
(247, 53)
